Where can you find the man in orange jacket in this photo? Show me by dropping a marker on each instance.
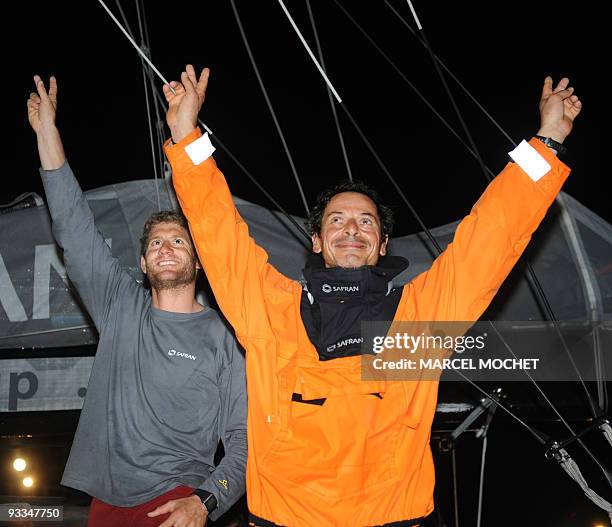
(327, 448)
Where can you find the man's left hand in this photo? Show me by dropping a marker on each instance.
(558, 109)
(184, 512)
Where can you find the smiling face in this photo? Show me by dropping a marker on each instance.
(169, 259)
(350, 233)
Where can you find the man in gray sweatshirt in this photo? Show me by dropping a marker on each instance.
(168, 380)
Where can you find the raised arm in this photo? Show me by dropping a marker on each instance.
(236, 267)
(488, 242)
(89, 263)
(42, 107)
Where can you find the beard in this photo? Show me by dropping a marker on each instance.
(185, 276)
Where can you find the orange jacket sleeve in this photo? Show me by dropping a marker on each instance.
(237, 268)
(488, 242)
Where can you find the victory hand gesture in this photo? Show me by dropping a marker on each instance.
(558, 109)
(42, 105)
(41, 114)
(184, 105)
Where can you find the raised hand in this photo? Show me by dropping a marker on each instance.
(185, 103)
(558, 109)
(42, 105)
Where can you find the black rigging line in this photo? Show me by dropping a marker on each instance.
(422, 97)
(329, 93)
(270, 107)
(159, 123)
(391, 179)
(150, 124)
(453, 76)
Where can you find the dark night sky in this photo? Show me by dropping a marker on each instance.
(501, 53)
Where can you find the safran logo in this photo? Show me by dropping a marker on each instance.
(350, 341)
(326, 288)
(174, 353)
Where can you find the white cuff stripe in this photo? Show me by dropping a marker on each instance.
(528, 158)
(200, 150)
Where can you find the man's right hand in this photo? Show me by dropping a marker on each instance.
(558, 109)
(185, 103)
(42, 105)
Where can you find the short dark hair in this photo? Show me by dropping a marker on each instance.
(165, 216)
(385, 214)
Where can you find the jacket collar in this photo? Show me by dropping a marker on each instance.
(329, 283)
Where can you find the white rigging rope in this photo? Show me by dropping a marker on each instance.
(329, 93)
(416, 18)
(141, 53)
(270, 108)
(310, 53)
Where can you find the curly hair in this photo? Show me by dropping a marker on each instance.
(385, 214)
(165, 216)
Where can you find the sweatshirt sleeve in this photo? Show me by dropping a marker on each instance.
(489, 241)
(227, 481)
(236, 267)
(89, 263)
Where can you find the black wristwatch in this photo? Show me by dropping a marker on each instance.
(208, 499)
(551, 143)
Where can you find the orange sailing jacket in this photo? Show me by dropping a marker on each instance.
(356, 460)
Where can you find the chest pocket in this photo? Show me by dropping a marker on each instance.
(341, 446)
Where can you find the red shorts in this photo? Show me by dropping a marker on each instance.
(105, 515)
